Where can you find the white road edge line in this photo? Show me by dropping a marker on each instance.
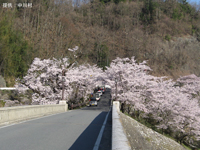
(97, 143)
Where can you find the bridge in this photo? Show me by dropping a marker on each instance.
(53, 127)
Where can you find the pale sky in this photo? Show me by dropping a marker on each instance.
(197, 1)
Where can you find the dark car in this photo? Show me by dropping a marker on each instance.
(93, 101)
(103, 89)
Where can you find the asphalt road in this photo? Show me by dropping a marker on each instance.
(73, 130)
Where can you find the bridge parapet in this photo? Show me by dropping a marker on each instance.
(139, 136)
(119, 139)
(10, 115)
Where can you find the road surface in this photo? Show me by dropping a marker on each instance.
(74, 130)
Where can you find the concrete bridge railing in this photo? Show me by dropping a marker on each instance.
(10, 115)
(119, 139)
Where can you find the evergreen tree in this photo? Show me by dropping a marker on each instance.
(15, 54)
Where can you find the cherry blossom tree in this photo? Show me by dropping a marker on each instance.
(173, 105)
(44, 78)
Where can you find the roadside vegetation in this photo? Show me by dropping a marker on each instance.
(2, 103)
(15, 98)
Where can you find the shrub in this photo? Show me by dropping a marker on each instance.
(167, 37)
(2, 103)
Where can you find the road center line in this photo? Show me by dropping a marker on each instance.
(97, 143)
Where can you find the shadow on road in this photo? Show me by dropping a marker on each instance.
(89, 136)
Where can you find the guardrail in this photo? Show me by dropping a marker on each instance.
(12, 88)
(119, 139)
(7, 88)
(10, 115)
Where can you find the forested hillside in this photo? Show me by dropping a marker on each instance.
(164, 32)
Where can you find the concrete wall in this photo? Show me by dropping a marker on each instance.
(16, 114)
(2, 82)
(119, 139)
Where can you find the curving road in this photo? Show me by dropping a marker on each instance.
(73, 130)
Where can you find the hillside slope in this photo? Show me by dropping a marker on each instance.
(103, 30)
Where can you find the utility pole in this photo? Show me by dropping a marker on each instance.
(62, 101)
(116, 89)
(63, 80)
